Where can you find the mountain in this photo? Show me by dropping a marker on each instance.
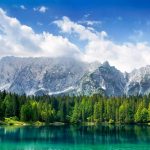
(41, 75)
(138, 82)
(105, 79)
(38, 76)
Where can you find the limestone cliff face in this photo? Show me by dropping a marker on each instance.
(38, 76)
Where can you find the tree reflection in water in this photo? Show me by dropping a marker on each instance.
(78, 134)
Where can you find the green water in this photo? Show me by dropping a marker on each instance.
(75, 138)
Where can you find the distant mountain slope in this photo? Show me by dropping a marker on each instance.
(138, 81)
(38, 76)
(105, 79)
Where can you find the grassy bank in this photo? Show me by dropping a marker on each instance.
(13, 122)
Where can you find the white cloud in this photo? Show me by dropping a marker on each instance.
(41, 9)
(20, 40)
(125, 57)
(23, 7)
(85, 33)
(90, 22)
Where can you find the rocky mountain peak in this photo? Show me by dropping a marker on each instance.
(63, 75)
(106, 64)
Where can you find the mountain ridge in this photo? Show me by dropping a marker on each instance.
(52, 76)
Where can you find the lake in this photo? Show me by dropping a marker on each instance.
(75, 138)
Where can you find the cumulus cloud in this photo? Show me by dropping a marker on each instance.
(41, 9)
(90, 22)
(99, 47)
(93, 22)
(20, 40)
(23, 7)
(66, 25)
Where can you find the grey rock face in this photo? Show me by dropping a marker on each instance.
(105, 79)
(38, 76)
(138, 82)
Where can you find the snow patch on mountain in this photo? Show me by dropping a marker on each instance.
(53, 76)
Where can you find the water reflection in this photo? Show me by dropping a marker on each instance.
(77, 134)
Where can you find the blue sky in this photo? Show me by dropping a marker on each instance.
(117, 30)
(117, 16)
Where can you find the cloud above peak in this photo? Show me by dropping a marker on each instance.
(100, 48)
(21, 40)
(84, 33)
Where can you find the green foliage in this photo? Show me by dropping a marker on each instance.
(141, 114)
(75, 109)
(126, 114)
(111, 121)
(46, 112)
(26, 112)
(8, 106)
(98, 114)
(75, 118)
(149, 112)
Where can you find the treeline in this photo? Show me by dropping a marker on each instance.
(75, 109)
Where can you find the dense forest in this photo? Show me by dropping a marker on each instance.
(75, 109)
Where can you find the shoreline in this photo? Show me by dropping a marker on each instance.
(11, 122)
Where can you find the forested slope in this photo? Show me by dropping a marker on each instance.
(75, 109)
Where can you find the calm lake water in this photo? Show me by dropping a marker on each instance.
(75, 138)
